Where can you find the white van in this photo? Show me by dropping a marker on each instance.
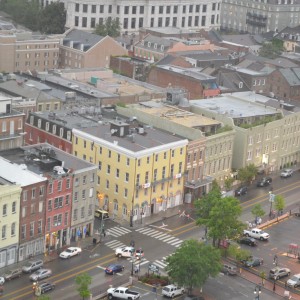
(172, 291)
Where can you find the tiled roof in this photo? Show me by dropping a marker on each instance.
(291, 75)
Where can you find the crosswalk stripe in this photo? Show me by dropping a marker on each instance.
(178, 245)
(179, 242)
(172, 241)
(147, 231)
(162, 236)
(170, 238)
(143, 262)
(113, 243)
(159, 264)
(156, 234)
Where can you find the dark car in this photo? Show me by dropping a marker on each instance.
(46, 287)
(113, 269)
(241, 191)
(265, 181)
(247, 241)
(253, 261)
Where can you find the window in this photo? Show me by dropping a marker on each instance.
(59, 186)
(33, 193)
(191, 8)
(156, 157)
(116, 189)
(75, 214)
(155, 175)
(126, 10)
(58, 202)
(107, 184)
(93, 9)
(66, 218)
(68, 183)
(133, 10)
(152, 10)
(99, 165)
(24, 211)
(77, 7)
(82, 212)
(84, 22)
(163, 172)
(141, 9)
(181, 151)
(13, 207)
(148, 159)
(75, 196)
(32, 209)
(61, 132)
(161, 10)
(84, 179)
(3, 232)
(41, 203)
(175, 9)
(4, 210)
(23, 232)
(184, 9)
(119, 157)
(127, 177)
(42, 190)
(101, 9)
(83, 194)
(31, 231)
(128, 161)
(13, 229)
(108, 169)
(54, 129)
(109, 9)
(39, 229)
(146, 177)
(125, 193)
(117, 173)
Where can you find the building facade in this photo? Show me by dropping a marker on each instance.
(257, 17)
(11, 125)
(86, 14)
(140, 170)
(10, 213)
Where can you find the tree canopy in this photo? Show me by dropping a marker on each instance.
(83, 281)
(192, 264)
(279, 203)
(271, 49)
(50, 19)
(110, 27)
(219, 215)
(246, 174)
(257, 211)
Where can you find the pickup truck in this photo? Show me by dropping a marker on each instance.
(122, 293)
(124, 252)
(257, 234)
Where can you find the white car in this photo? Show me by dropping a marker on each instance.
(294, 281)
(124, 252)
(172, 291)
(71, 251)
(286, 173)
(2, 280)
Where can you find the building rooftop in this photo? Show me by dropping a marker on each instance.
(175, 114)
(29, 164)
(244, 104)
(18, 173)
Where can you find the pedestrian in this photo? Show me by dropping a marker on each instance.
(285, 284)
(274, 287)
(136, 269)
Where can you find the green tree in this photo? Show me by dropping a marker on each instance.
(52, 18)
(271, 49)
(111, 27)
(192, 264)
(83, 281)
(228, 183)
(219, 215)
(257, 211)
(279, 204)
(246, 174)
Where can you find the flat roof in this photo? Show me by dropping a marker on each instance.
(175, 114)
(236, 105)
(27, 170)
(18, 174)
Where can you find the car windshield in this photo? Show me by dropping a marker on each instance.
(294, 278)
(68, 250)
(166, 289)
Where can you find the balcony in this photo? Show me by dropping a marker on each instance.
(256, 20)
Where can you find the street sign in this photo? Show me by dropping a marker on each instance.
(153, 268)
(271, 198)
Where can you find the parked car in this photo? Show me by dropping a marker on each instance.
(241, 191)
(253, 261)
(71, 251)
(32, 266)
(278, 272)
(294, 281)
(113, 269)
(15, 273)
(265, 181)
(229, 269)
(172, 291)
(2, 280)
(247, 241)
(286, 173)
(40, 274)
(46, 287)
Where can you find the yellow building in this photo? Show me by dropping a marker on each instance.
(140, 168)
(9, 225)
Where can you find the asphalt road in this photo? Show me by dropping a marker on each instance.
(161, 239)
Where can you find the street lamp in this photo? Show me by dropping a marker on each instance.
(271, 200)
(257, 291)
(132, 263)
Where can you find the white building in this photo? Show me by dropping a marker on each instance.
(188, 14)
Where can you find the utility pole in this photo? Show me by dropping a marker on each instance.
(102, 227)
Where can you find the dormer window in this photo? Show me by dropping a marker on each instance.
(162, 47)
(149, 44)
(241, 85)
(155, 46)
(39, 123)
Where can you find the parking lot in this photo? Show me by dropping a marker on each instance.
(281, 249)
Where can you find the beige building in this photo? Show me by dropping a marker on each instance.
(209, 153)
(80, 49)
(23, 51)
(9, 225)
(267, 130)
